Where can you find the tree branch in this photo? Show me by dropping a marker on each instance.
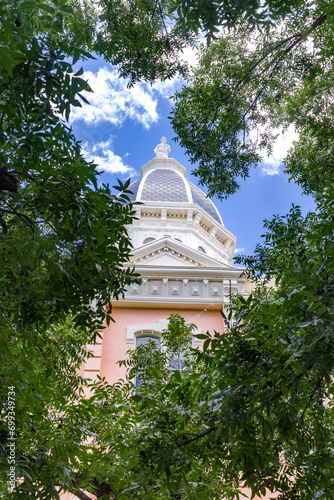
(295, 40)
(315, 388)
(98, 488)
(3, 224)
(19, 214)
(195, 437)
(80, 494)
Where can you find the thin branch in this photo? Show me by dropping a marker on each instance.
(4, 225)
(19, 214)
(198, 436)
(162, 17)
(80, 494)
(297, 39)
(315, 388)
(291, 46)
(154, 9)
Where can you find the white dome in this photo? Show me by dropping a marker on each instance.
(165, 183)
(168, 205)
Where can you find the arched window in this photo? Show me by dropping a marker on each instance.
(201, 249)
(142, 333)
(144, 339)
(148, 240)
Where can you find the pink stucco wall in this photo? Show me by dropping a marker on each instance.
(115, 346)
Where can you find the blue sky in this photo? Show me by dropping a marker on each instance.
(121, 127)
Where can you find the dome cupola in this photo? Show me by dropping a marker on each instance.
(168, 204)
(164, 180)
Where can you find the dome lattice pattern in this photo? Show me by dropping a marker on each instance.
(167, 185)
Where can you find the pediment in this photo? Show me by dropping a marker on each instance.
(171, 253)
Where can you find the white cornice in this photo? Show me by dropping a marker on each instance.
(184, 206)
(214, 273)
(165, 290)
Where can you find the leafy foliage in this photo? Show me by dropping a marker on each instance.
(255, 406)
(142, 38)
(63, 241)
(211, 17)
(251, 84)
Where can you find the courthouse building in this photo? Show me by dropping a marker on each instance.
(183, 253)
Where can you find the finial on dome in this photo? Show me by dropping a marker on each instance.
(162, 149)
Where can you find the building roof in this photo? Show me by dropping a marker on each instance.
(164, 182)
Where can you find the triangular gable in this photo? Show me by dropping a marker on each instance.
(169, 252)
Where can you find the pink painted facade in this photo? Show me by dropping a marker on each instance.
(116, 341)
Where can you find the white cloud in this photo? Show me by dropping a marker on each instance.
(167, 88)
(113, 102)
(239, 250)
(190, 55)
(272, 164)
(105, 158)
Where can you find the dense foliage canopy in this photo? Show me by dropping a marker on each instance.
(252, 84)
(63, 239)
(255, 406)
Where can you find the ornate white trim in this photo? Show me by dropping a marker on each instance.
(145, 328)
(153, 329)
